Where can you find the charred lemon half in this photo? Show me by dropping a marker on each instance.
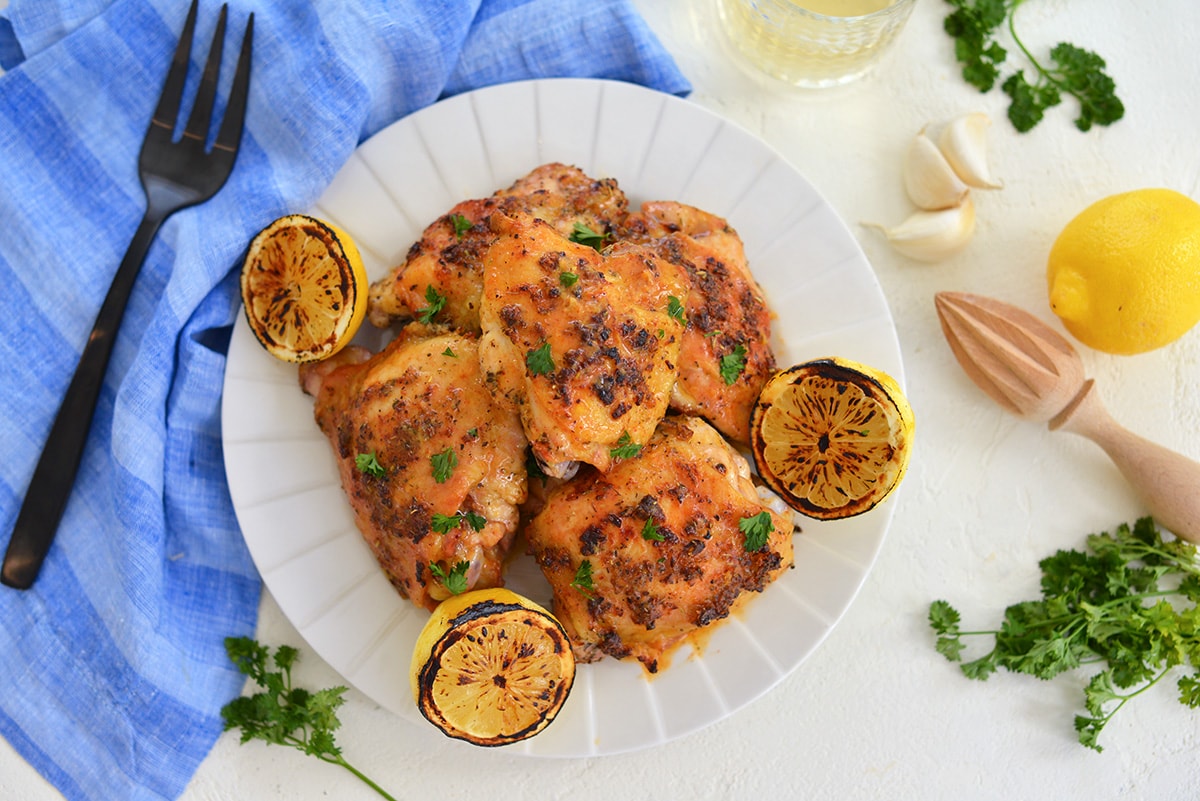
(491, 667)
(304, 288)
(832, 437)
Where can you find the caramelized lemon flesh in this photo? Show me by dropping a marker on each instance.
(491, 667)
(304, 288)
(832, 437)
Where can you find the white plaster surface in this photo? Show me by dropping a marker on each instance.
(875, 712)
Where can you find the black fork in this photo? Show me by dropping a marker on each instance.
(174, 175)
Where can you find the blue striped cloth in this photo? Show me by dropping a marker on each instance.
(112, 668)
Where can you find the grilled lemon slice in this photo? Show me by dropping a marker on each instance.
(304, 288)
(832, 437)
(491, 667)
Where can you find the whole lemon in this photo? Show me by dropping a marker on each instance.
(1124, 275)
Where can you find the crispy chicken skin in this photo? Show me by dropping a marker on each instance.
(422, 397)
(583, 343)
(447, 258)
(726, 310)
(652, 585)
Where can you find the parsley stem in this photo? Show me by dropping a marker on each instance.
(337, 760)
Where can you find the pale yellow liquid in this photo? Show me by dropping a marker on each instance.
(843, 8)
(810, 50)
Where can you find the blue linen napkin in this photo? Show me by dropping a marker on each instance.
(112, 668)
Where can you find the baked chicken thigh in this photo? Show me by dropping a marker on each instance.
(431, 459)
(584, 344)
(445, 262)
(725, 357)
(656, 548)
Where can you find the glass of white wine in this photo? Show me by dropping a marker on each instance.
(814, 43)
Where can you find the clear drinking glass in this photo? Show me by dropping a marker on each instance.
(814, 43)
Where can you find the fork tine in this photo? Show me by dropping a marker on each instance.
(167, 112)
(197, 127)
(230, 135)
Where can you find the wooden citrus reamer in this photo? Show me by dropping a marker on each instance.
(1035, 373)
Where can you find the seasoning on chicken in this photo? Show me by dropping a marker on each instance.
(431, 459)
(585, 344)
(663, 544)
(445, 262)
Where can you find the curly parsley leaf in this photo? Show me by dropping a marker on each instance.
(368, 463)
(650, 532)
(626, 448)
(756, 530)
(675, 309)
(974, 25)
(583, 579)
(455, 581)
(539, 361)
(461, 225)
(444, 524)
(1127, 605)
(568, 279)
(436, 301)
(584, 235)
(443, 464)
(283, 714)
(732, 364)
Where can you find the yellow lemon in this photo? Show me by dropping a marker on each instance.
(1124, 275)
(832, 437)
(491, 667)
(304, 288)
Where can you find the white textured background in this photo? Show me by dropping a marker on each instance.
(876, 713)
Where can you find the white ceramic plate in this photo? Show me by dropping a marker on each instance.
(282, 473)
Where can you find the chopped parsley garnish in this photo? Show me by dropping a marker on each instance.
(436, 301)
(461, 225)
(539, 361)
(567, 279)
(444, 524)
(533, 467)
(443, 465)
(650, 532)
(732, 365)
(450, 353)
(584, 235)
(456, 580)
(675, 309)
(756, 530)
(369, 464)
(583, 579)
(626, 448)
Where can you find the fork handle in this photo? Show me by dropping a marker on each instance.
(54, 476)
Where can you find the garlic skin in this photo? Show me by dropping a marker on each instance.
(932, 236)
(963, 141)
(929, 179)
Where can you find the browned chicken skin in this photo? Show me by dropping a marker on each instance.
(583, 343)
(447, 258)
(445, 444)
(727, 314)
(660, 534)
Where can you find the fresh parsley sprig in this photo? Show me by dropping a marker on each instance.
(1128, 605)
(975, 24)
(284, 714)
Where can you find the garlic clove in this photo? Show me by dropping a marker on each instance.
(934, 235)
(929, 179)
(963, 142)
